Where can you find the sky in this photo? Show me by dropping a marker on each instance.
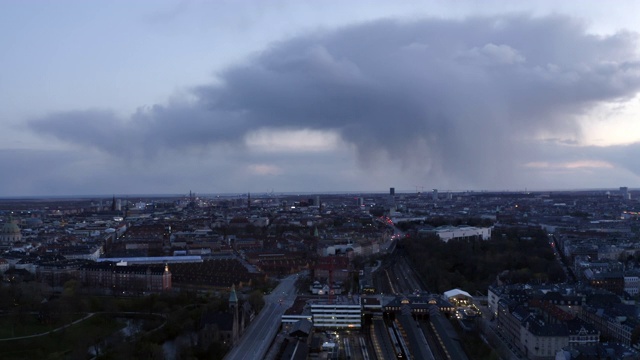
(164, 97)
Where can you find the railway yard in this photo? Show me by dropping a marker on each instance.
(400, 335)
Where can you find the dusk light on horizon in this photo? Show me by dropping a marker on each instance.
(163, 97)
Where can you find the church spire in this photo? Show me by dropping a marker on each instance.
(233, 305)
(166, 278)
(233, 297)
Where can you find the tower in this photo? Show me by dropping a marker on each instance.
(233, 307)
(392, 200)
(624, 193)
(166, 278)
(331, 291)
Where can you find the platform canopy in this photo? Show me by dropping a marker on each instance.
(457, 293)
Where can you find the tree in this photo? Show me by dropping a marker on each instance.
(473, 264)
(70, 288)
(256, 300)
(148, 350)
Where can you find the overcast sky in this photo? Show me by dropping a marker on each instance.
(131, 97)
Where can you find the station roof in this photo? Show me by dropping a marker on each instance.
(455, 293)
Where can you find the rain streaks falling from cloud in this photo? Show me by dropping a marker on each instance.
(445, 99)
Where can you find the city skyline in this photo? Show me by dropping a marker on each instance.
(224, 97)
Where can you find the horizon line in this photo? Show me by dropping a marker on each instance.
(293, 193)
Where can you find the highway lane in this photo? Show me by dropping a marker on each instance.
(257, 338)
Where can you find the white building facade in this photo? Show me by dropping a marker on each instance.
(446, 233)
(337, 315)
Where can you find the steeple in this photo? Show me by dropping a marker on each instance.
(166, 278)
(233, 297)
(233, 306)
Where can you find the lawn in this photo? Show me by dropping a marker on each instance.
(71, 342)
(28, 324)
(24, 325)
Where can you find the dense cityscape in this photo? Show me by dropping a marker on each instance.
(394, 275)
(339, 180)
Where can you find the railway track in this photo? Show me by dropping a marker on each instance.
(396, 276)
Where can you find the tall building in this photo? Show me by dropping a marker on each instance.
(392, 200)
(434, 195)
(624, 192)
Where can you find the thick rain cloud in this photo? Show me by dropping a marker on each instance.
(451, 98)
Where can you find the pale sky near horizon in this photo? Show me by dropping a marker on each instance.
(117, 97)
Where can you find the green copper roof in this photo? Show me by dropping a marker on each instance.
(233, 298)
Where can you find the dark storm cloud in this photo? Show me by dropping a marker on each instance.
(450, 97)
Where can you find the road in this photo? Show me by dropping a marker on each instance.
(257, 338)
(570, 276)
